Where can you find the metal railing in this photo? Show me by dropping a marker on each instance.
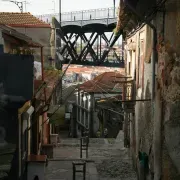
(92, 14)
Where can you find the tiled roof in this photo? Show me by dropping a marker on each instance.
(102, 83)
(90, 69)
(21, 20)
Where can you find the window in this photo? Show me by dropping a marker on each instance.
(142, 47)
(129, 62)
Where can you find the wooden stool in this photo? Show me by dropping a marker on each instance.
(83, 170)
(84, 142)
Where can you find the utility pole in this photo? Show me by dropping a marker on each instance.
(61, 87)
(114, 2)
(60, 18)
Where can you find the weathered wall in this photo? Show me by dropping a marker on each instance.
(142, 67)
(168, 78)
(157, 124)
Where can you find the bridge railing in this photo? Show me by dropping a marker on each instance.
(81, 15)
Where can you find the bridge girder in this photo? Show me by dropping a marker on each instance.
(69, 50)
(83, 23)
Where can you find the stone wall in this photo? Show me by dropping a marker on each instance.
(157, 122)
(142, 121)
(168, 78)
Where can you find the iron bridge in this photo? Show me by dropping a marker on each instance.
(80, 35)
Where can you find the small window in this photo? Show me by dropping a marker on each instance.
(142, 47)
(129, 68)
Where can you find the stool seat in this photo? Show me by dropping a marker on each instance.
(79, 162)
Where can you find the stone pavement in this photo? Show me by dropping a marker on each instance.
(108, 160)
(62, 170)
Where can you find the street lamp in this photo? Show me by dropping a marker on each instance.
(54, 8)
(60, 12)
(18, 3)
(61, 95)
(60, 21)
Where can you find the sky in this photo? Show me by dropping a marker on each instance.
(37, 7)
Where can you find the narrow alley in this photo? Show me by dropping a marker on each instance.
(108, 160)
(90, 91)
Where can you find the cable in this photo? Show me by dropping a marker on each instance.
(94, 84)
(51, 114)
(57, 108)
(66, 100)
(103, 93)
(105, 96)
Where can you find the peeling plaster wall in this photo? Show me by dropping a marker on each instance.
(171, 156)
(168, 61)
(153, 127)
(143, 121)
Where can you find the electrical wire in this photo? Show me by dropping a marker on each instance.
(103, 93)
(67, 98)
(59, 106)
(95, 85)
(54, 111)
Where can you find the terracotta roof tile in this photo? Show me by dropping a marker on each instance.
(21, 20)
(102, 83)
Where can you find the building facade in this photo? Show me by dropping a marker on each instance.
(152, 62)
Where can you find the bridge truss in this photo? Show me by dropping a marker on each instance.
(90, 34)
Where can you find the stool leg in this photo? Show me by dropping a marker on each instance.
(84, 172)
(74, 172)
(81, 148)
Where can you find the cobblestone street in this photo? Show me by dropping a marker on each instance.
(108, 160)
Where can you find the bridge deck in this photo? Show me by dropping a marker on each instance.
(73, 29)
(85, 15)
